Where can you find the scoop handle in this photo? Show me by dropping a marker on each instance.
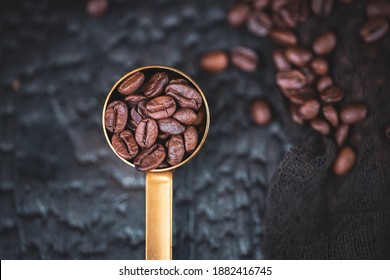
(158, 239)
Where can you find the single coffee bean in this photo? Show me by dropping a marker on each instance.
(161, 107)
(190, 139)
(320, 125)
(324, 82)
(124, 144)
(309, 109)
(309, 74)
(298, 56)
(299, 96)
(185, 116)
(291, 79)
(378, 8)
(374, 29)
(96, 8)
(150, 158)
(261, 112)
(115, 117)
(259, 23)
(200, 117)
(214, 61)
(280, 60)
(325, 43)
(146, 133)
(341, 134)
(344, 161)
(171, 126)
(295, 115)
(156, 84)
(244, 59)
(387, 131)
(330, 114)
(238, 14)
(321, 7)
(132, 83)
(135, 116)
(260, 4)
(175, 149)
(320, 66)
(134, 99)
(185, 95)
(353, 113)
(332, 94)
(284, 37)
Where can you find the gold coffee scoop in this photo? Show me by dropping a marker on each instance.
(158, 231)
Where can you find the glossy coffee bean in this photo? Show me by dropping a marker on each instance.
(238, 14)
(190, 139)
(146, 133)
(374, 29)
(325, 43)
(299, 96)
(185, 116)
(132, 83)
(353, 113)
(175, 150)
(261, 112)
(310, 109)
(332, 94)
(115, 117)
(214, 61)
(185, 95)
(155, 85)
(321, 7)
(161, 107)
(284, 37)
(298, 56)
(320, 125)
(291, 79)
(124, 144)
(134, 99)
(341, 134)
(244, 59)
(150, 158)
(324, 83)
(330, 114)
(344, 161)
(280, 60)
(171, 126)
(378, 8)
(259, 24)
(320, 66)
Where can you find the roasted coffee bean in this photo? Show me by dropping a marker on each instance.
(141, 108)
(321, 7)
(260, 4)
(344, 161)
(115, 117)
(374, 29)
(200, 117)
(214, 61)
(161, 107)
(320, 125)
(325, 43)
(96, 8)
(146, 133)
(124, 144)
(284, 37)
(150, 158)
(298, 56)
(135, 116)
(324, 83)
(238, 14)
(259, 23)
(288, 17)
(299, 96)
(341, 134)
(171, 126)
(261, 112)
(353, 113)
(378, 8)
(244, 59)
(185, 116)
(387, 131)
(291, 79)
(190, 139)
(309, 74)
(295, 115)
(132, 83)
(178, 81)
(185, 95)
(175, 150)
(280, 60)
(309, 109)
(134, 99)
(320, 66)
(156, 84)
(330, 114)
(332, 94)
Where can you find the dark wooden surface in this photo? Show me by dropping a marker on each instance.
(65, 195)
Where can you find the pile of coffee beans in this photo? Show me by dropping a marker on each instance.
(155, 119)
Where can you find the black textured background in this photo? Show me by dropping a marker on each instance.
(65, 195)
